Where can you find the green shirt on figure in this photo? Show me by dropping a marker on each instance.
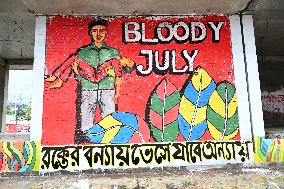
(95, 57)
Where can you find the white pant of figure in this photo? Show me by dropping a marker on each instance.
(89, 101)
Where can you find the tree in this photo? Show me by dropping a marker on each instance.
(9, 110)
(24, 113)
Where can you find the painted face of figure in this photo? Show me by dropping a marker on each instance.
(99, 33)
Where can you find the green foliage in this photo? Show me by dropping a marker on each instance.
(24, 113)
(10, 111)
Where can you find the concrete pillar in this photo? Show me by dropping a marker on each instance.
(3, 92)
(38, 79)
(254, 92)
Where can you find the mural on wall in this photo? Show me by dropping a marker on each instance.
(119, 80)
(150, 91)
(19, 156)
(269, 150)
(128, 92)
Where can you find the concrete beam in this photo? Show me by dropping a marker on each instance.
(129, 7)
(19, 61)
(2, 62)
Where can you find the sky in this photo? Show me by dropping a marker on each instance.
(20, 86)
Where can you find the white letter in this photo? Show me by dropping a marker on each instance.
(216, 30)
(135, 32)
(170, 30)
(202, 35)
(186, 31)
(174, 64)
(149, 55)
(189, 58)
(144, 36)
(167, 61)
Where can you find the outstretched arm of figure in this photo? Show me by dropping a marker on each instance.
(61, 73)
(63, 67)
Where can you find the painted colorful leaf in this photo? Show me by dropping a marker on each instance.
(119, 128)
(162, 111)
(193, 105)
(222, 114)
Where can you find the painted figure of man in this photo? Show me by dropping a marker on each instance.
(98, 68)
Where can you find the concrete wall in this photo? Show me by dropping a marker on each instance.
(129, 136)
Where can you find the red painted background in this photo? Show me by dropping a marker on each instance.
(66, 34)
